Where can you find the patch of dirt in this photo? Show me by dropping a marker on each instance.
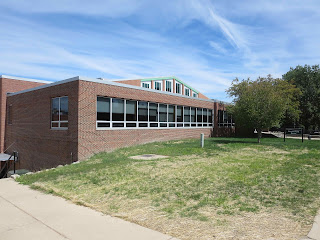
(275, 224)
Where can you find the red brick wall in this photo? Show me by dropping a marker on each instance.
(30, 133)
(10, 85)
(92, 141)
(136, 82)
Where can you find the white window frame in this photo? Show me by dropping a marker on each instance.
(195, 95)
(170, 81)
(186, 88)
(146, 82)
(177, 83)
(59, 121)
(160, 85)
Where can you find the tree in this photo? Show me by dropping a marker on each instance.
(307, 79)
(262, 103)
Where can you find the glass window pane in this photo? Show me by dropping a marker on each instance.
(193, 115)
(178, 87)
(64, 109)
(205, 115)
(103, 108)
(117, 110)
(64, 124)
(153, 112)
(131, 110)
(186, 114)
(179, 113)
(225, 117)
(55, 109)
(157, 85)
(117, 124)
(143, 111)
(103, 124)
(210, 116)
(55, 124)
(171, 116)
(168, 86)
(163, 112)
(199, 115)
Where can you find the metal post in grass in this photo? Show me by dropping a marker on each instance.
(202, 140)
(284, 135)
(302, 133)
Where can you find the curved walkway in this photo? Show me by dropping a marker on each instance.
(29, 214)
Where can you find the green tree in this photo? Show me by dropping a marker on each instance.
(307, 79)
(262, 103)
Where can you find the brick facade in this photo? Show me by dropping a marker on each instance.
(92, 141)
(8, 85)
(30, 134)
(40, 147)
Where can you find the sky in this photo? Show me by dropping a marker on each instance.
(205, 43)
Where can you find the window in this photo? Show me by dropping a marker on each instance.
(122, 113)
(187, 116)
(158, 85)
(193, 117)
(178, 88)
(199, 117)
(225, 119)
(186, 91)
(180, 116)
(131, 110)
(153, 114)
(169, 85)
(143, 111)
(117, 112)
(171, 115)
(103, 112)
(195, 95)
(163, 115)
(210, 117)
(59, 112)
(146, 84)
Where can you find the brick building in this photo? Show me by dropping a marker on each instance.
(71, 120)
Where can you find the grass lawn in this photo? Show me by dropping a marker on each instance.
(233, 188)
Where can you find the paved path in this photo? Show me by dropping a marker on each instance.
(314, 233)
(28, 214)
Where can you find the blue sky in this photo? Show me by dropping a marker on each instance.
(206, 43)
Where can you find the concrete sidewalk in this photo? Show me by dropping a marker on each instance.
(28, 214)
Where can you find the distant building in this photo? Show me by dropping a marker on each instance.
(61, 122)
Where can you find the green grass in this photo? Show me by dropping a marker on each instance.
(229, 176)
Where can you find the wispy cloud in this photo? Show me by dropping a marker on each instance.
(205, 43)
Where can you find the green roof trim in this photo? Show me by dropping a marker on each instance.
(169, 78)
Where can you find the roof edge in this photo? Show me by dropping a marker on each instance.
(24, 79)
(107, 83)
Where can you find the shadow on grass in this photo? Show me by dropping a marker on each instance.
(233, 140)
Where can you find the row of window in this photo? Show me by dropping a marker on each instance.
(225, 119)
(169, 87)
(120, 113)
